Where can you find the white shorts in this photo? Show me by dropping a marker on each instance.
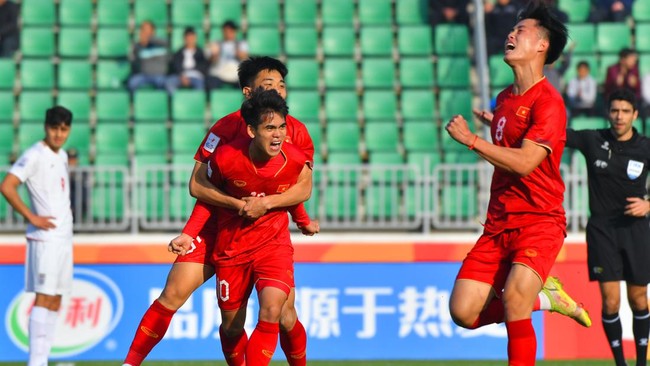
(48, 267)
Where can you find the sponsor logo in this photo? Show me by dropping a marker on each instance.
(89, 313)
(149, 332)
(239, 183)
(605, 145)
(600, 164)
(531, 253)
(211, 142)
(597, 270)
(283, 188)
(634, 169)
(523, 112)
(298, 355)
(267, 353)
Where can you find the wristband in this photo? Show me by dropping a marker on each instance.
(471, 147)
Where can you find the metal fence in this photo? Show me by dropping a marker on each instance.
(344, 197)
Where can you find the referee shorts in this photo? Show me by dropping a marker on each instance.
(619, 250)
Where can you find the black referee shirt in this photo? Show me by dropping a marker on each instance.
(616, 169)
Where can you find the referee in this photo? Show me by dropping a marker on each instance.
(618, 232)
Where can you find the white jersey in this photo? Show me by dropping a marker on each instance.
(45, 173)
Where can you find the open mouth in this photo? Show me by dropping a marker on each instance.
(510, 46)
(275, 145)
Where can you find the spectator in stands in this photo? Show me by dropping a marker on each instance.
(554, 72)
(148, 59)
(610, 10)
(499, 18)
(449, 11)
(645, 98)
(225, 56)
(581, 91)
(624, 73)
(9, 35)
(189, 65)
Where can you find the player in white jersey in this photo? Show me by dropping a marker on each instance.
(48, 260)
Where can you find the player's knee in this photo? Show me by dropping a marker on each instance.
(611, 305)
(463, 317)
(173, 297)
(270, 312)
(288, 318)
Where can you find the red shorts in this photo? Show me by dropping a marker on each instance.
(271, 265)
(201, 252)
(535, 246)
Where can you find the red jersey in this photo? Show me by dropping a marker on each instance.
(231, 169)
(539, 115)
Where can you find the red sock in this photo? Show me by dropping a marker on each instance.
(151, 330)
(294, 345)
(262, 344)
(522, 344)
(234, 349)
(493, 313)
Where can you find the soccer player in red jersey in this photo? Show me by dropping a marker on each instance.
(501, 277)
(190, 271)
(257, 252)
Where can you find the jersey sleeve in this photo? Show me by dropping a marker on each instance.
(200, 215)
(575, 139)
(548, 127)
(223, 131)
(25, 166)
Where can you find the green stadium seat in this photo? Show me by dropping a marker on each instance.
(7, 103)
(378, 73)
(338, 41)
(642, 42)
(33, 104)
(29, 133)
(112, 74)
(459, 202)
(75, 74)
(150, 105)
(187, 137)
(177, 37)
(304, 105)
(339, 12)
(418, 104)
(263, 12)
(79, 138)
(78, 102)
(37, 74)
(37, 42)
(7, 73)
(382, 201)
(342, 136)
(188, 13)
(107, 203)
(582, 37)
(606, 60)
(381, 136)
(341, 105)
(188, 105)
(341, 202)
(312, 205)
(375, 12)
(264, 41)
(416, 72)
(6, 140)
(300, 12)
(112, 106)
(180, 203)
(421, 136)
(612, 37)
(340, 73)
(182, 164)
(111, 138)
(423, 162)
(342, 164)
(224, 101)
(112, 13)
(111, 158)
(316, 134)
(37, 12)
(587, 123)
(222, 10)
(304, 73)
(414, 40)
(451, 39)
(113, 42)
(376, 41)
(453, 72)
(151, 10)
(379, 105)
(409, 12)
(641, 12)
(644, 63)
(577, 10)
(453, 102)
(150, 138)
(500, 73)
(75, 12)
(300, 41)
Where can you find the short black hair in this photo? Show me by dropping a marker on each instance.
(622, 94)
(229, 24)
(58, 115)
(583, 63)
(189, 30)
(249, 68)
(260, 103)
(623, 53)
(556, 30)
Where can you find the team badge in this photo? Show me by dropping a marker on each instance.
(523, 112)
(282, 188)
(211, 142)
(239, 183)
(634, 169)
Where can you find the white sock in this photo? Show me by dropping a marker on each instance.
(38, 347)
(50, 323)
(544, 301)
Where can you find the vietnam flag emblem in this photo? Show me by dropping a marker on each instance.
(523, 112)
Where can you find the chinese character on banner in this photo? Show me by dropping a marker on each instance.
(425, 314)
(369, 308)
(83, 310)
(319, 311)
